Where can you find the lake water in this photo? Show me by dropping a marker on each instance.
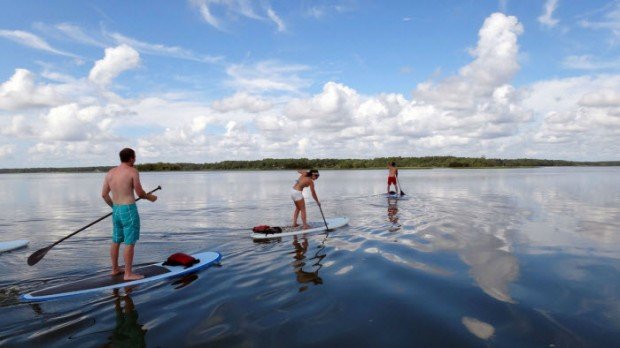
(503, 257)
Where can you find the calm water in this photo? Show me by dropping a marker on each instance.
(511, 258)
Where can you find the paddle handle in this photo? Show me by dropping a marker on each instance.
(96, 221)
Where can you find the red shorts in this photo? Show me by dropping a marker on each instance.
(391, 180)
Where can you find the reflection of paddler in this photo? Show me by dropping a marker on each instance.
(392, 210)
(304, 277)
(128, 332)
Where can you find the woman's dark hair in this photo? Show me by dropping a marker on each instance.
(312, 172)
(126, 154)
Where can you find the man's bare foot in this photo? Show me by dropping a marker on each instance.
(116, 271)
(306, 227)
(133, 276)
(295, 225)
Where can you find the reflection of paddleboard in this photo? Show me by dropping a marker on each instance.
(12, 245)
(156, 271)
(317, 226)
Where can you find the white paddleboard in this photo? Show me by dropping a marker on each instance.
(316, 226)
(12, 245)
(153, 272)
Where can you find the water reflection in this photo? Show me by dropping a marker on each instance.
(128, 331)
(392, 212)
(302, 276)
(525, 257)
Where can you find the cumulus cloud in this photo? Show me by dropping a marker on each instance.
(71, 123)
(116, 60)
(21, 91)
(577, 113)
(242, 101)
(6, 150)
(19, 127)
(477, 111)
(28, 39)
(546, 18)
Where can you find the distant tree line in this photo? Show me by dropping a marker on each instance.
(332, 163)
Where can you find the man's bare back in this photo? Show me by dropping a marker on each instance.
(122, 181)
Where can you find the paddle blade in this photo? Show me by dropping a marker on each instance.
(402, 193)
(38, 255)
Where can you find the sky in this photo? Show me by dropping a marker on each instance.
(211, 80)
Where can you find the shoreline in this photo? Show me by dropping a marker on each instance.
(428, 162)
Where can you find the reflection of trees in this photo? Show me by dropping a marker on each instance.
(128, 332)
(305, 277)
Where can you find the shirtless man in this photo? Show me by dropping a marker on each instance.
(392, 174)
(306, 179)
(122, 181)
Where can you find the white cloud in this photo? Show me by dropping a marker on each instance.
(78, 35)
(7, 150)
(242, 101)
(162, 50)
(267, 76)
(21, 91)
(588, 62)
(71, 123)
(581, 112)
(475, 112)
(610, 21)
(232, 9)
(33, 41)
(19, 127)
(546, 18)
(276, 19)
(115, 61)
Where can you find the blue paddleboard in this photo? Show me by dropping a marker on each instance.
(153, 272)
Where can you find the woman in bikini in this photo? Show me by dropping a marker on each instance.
(306, 179)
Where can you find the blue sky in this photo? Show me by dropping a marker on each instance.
(209, 80)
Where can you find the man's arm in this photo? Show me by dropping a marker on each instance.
(137, 185)
(302, 171)
(105, 191)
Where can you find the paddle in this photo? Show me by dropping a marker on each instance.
(326, 227)
(39, 254)
(401, 189)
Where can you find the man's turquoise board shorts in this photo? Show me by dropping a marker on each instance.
(126, 223)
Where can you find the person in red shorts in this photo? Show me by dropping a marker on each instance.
(392, 174)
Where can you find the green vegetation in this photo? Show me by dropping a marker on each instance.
(332, 163)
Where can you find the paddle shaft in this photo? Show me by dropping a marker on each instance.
(101, 218)
(323, 216)
(399, 187)
(32, 261)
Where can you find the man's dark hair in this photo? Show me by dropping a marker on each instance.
(393, 164)
(127, 154)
